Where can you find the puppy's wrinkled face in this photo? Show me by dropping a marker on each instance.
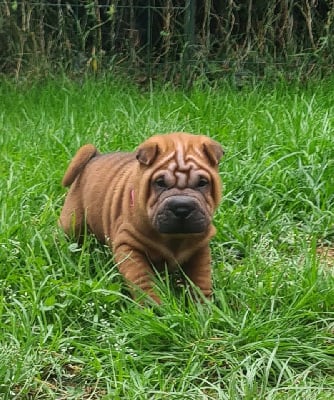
(184, 186)
(180, 198)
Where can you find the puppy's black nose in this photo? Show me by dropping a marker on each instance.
(181, 207)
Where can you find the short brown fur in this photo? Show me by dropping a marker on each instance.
(121, 198)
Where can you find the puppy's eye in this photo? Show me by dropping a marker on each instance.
(202, 183)
(161, 183)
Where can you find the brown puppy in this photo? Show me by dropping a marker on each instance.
(152, 207)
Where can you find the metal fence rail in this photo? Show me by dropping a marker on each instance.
(169, 38)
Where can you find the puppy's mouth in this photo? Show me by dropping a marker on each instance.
(181, 215)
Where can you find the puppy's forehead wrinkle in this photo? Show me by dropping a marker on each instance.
(190, 158)
(165, 160)
(180, 170)
(172, 166)
(181, 159)
(177, 160)
(180, 164)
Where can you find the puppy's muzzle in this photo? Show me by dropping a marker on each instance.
(181, 214)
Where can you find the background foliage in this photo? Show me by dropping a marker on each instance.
(214, 38)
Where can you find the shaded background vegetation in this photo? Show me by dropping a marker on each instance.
(168, 38)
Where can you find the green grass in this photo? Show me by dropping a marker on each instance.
(68, 329)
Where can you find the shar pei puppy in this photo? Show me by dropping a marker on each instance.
(153, 207)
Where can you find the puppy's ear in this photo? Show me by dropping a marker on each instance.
(147, 153)
(213, 150)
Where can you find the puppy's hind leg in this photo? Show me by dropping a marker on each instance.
(72, 218)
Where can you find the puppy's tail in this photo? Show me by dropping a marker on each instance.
(79, 161)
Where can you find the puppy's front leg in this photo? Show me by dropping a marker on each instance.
(133, 265)
(198, 270)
